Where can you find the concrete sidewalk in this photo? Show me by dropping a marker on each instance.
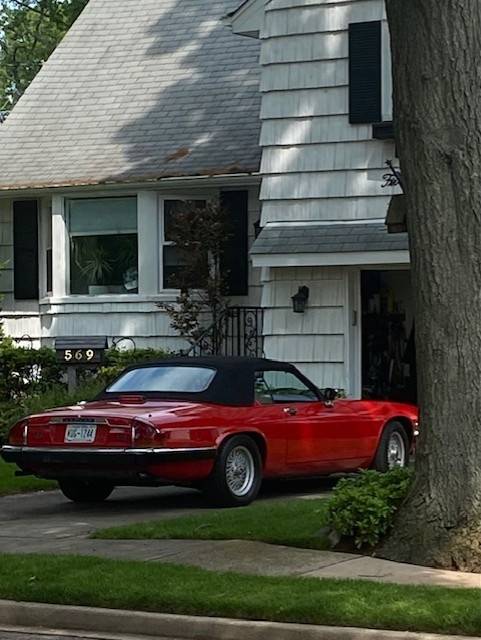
(249, 557)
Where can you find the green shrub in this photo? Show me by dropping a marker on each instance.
(362, 509)
(117, 360)
(54, 396)
(26, 371)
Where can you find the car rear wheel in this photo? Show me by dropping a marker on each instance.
(86, 490)
(393, 449)
(237, 475)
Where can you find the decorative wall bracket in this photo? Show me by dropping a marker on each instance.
(393, 178)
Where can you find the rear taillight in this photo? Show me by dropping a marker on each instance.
(145, 435)
(18, 434)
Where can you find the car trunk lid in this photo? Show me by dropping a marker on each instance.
(121, 423)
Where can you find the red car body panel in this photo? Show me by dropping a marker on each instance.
(295, 438)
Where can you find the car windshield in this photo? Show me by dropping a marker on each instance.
(162, 379)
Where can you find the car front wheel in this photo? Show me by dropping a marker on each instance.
(393, 449)
(86, 490)
(237, 475)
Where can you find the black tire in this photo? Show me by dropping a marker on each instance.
(219, 489)
(393, 431)
(86, 490)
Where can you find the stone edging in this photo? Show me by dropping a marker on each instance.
(136, 623)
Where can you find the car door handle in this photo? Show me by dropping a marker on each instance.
(290, 411)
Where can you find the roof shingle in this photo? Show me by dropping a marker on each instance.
(138, 91)
(335, 238)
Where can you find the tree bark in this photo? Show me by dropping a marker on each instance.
(436, 49)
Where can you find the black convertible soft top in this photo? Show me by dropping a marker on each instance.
(232, 385)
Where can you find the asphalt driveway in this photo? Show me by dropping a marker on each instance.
(48, 522)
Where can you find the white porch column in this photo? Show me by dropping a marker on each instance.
(60, 249)
(148, 238)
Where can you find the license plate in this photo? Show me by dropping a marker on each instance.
(80, 433)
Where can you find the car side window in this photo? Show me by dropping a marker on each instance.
(287, 387)
(263, 394)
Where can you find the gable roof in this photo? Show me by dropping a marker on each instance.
(247, 18)
(138, 91)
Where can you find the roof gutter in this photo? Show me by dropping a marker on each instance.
(211, 181)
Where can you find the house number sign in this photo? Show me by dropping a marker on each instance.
(78, 351)
(81, 356)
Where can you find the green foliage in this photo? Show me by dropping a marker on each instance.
(362, 509)
(29, 32)
(55, 395)
(116, 360)
(199, 232)
(26, 371)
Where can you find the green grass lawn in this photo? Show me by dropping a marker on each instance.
(9, 483)
(187, 590)
(295, 523)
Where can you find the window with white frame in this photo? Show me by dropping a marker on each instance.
(103, 245)
(171, 259)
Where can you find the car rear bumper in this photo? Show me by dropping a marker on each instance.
(34, 457)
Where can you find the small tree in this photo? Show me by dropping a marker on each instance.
(199, 233)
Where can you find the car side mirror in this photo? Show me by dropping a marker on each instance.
(329, 395)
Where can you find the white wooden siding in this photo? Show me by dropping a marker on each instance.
(329, 184)
(305, 47)
(318, 17)
(334, 156)
(313, 159)
(312, 130)
(316, 168)
(302, 75)
(315, 340)
(326, 210)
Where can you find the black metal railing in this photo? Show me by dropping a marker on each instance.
(237, 332)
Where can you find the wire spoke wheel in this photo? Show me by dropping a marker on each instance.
(396, 451)
(240, 471)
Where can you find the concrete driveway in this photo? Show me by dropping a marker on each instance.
(48, 522)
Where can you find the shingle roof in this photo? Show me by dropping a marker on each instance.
(137, 91)
(335, 238)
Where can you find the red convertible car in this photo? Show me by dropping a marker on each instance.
(218, 424)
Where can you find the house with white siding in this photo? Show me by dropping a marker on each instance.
(326, 135)
(282, 109)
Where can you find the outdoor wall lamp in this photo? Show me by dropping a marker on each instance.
(299, 301)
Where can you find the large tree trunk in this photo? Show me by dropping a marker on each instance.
(437, 77)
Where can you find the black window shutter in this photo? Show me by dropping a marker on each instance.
(365, 71)
(235, 259)
(25, 250)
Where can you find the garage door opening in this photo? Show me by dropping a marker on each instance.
(388, 351)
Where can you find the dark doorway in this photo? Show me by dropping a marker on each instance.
(388, 353)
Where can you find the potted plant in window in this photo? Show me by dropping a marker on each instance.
(94, 264)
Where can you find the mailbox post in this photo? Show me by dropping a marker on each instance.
(80, 352)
